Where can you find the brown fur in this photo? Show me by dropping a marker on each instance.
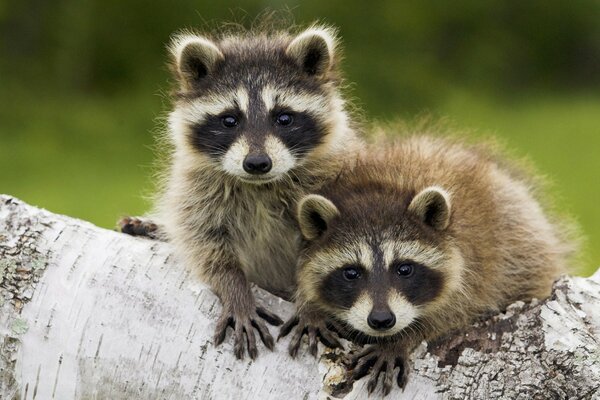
(509, 248)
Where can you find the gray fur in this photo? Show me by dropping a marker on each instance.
(230, 229)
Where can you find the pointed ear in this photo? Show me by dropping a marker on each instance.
(313, 50)
(314, 215)
(194, 57)
(432, 206)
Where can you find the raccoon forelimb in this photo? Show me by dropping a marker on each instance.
(225, 276)
(382, 359)
(312, 324)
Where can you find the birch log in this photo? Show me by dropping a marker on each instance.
(88, 313)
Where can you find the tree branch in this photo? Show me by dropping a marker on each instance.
(91, 313)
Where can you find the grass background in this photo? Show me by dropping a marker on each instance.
(78, 111)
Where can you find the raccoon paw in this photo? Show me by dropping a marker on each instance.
(314, 328)
(138, 227)
(243, 326)
(380, 361)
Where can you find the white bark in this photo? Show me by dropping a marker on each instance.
(87, 313)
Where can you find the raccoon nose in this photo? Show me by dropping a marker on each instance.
(257, 164)
(381, 320)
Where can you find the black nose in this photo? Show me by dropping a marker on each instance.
(257, 164)
(381, 320)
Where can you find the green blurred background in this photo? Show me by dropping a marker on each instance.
(83, 87)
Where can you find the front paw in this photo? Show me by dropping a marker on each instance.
(381, 361)
(243, 325)
(135, 226)
(314, 327)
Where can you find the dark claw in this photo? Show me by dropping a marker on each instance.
(388, 379)
(295, 342)
(402, 373)
(238, 343)
(293, 349)
(251, 342)
(288, 326)
(361, 355)
(312, 341)
(264, 334)
(220, 336)
(268, 316)
(221, 329)
(379, 368)
(328, 340)
(362, 367)
(372, 384)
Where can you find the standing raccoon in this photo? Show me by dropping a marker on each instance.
(419, 239)
(258, 122)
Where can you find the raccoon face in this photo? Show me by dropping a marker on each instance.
(255, 107)
(375, 280)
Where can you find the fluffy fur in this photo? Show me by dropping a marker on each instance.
(431, 231)
(230, 224)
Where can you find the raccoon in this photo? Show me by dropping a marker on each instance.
(419, 239)
(259, 120)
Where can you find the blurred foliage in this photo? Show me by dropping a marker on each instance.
(82, 81)
(409, 52)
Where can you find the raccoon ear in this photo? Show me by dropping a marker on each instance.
(432, 206)
(194, 57)
(314, 215)
(313, 50)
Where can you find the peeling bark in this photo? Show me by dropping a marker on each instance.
(89, 313)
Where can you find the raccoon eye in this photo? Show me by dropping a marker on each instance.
(229, 121)
(404, 270)
(351, 273)
(284, 119)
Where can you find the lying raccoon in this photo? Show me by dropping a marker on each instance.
(258, 122)
(419, 239)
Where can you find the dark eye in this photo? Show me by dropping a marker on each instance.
(284, 119)
(351, 273)
(404, 270)
(229, 121)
